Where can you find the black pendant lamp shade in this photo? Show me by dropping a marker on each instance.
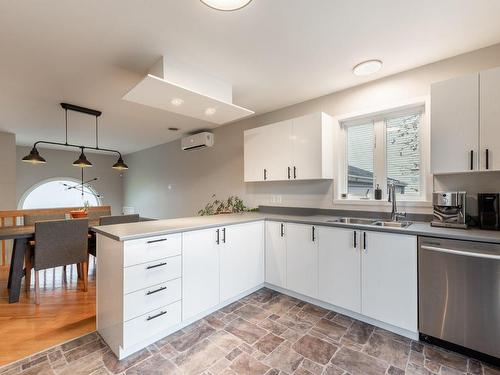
(82, 161)
(120, 165)
(34, 157)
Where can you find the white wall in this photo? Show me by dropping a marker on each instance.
(194, 177)
(59, 164)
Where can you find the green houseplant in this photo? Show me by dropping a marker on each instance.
(231, 205)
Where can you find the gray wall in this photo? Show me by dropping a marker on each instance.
(166, 182)
(59, 164)
(7, 171)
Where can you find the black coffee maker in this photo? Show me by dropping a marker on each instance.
(489, 210)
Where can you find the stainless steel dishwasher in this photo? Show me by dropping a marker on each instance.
(459, 293)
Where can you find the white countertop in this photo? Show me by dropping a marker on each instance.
(130, 231)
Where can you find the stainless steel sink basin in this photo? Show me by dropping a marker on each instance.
(393, 224)
(352, 220)
(374, 222)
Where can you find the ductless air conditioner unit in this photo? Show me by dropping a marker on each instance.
(197, 141)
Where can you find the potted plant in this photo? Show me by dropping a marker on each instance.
(231, 205)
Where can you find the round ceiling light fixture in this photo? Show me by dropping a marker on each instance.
(210, 111)
(226, 5)
(367, 67)
(177, 101)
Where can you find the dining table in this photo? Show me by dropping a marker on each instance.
(21, 235)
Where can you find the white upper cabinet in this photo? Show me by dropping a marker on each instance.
(302, 259)
(276, 253)
(465, 123)
(312, 141)
(296, 149)
(241, 258)
(200, 270)
(455, 125)
(340, 267)
(489, 147)
(389, 278)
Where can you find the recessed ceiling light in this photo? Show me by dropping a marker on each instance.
(177, 101)
(210, 111)
(226, 5)
(367, 67)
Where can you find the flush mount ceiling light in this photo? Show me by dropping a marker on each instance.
(177, 102)
(226, 5)
(82, 162)
(367, 67)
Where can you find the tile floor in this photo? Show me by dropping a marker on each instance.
(264, 333)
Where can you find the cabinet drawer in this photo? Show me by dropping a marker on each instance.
(152, 248)
(147, 325)
(152, 273)
(152, 298)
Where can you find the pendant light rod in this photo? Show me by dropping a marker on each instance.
(78, 146)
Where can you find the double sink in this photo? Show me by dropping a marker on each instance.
(373, 222)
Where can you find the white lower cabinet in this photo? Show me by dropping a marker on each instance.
(241, 258)
(389, 278)
(302, 259)
(276, 253)
(200, 271)
(340, 267)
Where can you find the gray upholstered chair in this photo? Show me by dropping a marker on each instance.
(119, 219)
(59, 243)
(109, 220)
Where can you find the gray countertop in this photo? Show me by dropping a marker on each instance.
(131, 231)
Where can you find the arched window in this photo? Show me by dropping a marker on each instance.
(59, 192)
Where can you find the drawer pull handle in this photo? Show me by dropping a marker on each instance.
(159, 240)
(156, 265)
(156, 290)
(156, 316)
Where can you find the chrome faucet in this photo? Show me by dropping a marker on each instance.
(395, 215)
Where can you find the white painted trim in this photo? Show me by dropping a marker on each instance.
(373, 113)
(400, 331)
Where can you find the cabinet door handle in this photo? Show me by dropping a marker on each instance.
(282, 230)
(156, 316)
(149, 292)
(265, 174)
(223, 235)
(289, 172)
(487, 159)
(471, 160)
(156, 265)
(160, 240)
(294, 172)
(313, 233)
(217, 238)
(364, 241)
(355, 239)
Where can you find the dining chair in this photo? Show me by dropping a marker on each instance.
(59, 243)
(110, 220)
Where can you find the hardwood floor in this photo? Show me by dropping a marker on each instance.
(65, 312)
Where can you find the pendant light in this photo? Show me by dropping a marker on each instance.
(34, 157)
(120, 165)
(82, 161)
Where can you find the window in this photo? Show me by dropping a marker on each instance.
(381, 149)
(59, 193)
(360, 141)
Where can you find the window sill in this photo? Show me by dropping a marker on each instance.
(381, 203)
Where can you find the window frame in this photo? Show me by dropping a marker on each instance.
(379, 117)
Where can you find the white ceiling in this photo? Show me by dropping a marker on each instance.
(274, 52)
